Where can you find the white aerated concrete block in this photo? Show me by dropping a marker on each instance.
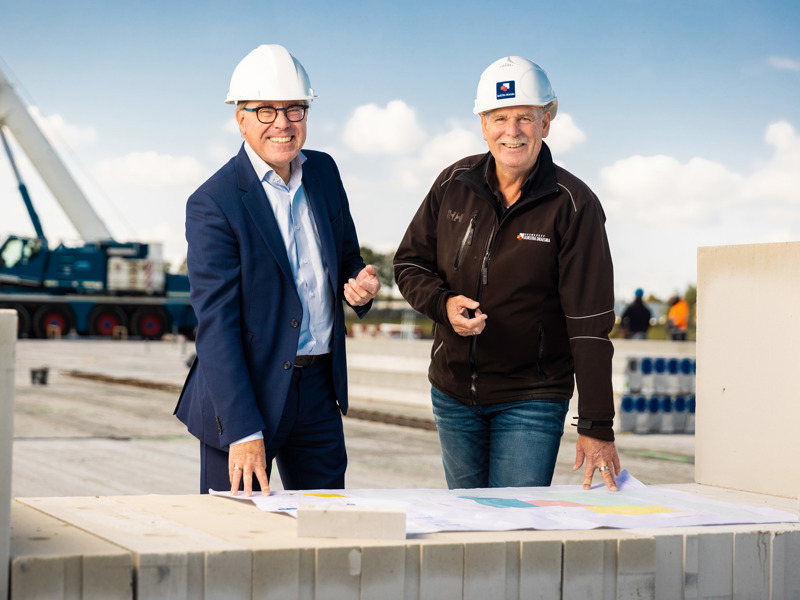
(441, 572)
(513, 557)
(228, 575)
(276, 573)
(383, 572)
(413, 572)
(338, 573)
(540, 570)
(51, 559)
(715, 565)
(588, 572)
(374, 522)
(8, 341)
(484, 570)
(636, 568)
(669, 567)
(785, 559)
(751, 568)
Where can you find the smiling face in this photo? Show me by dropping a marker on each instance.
(277, 143)
(514, 135)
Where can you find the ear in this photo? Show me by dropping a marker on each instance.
(240, 120)
(484, 124)
(546, 124)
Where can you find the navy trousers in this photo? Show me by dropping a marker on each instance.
(308, 445)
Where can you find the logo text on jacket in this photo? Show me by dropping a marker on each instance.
(533, 237)
(455, 216)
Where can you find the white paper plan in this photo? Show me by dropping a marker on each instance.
(557, 507)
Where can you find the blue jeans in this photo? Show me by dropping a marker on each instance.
(514, 444)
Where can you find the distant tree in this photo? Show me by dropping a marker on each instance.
(691, 295)
(382, 262)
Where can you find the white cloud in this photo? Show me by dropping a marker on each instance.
(783, 63)
(439, 152)
(149, 170)
(57, 130)
(390, 130)
(564, 134)
(779, 179)
(659, 189)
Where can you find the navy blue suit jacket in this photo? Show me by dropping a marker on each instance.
(246, 301)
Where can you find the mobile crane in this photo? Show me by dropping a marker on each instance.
(100, 288)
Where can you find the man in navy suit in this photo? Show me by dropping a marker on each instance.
(272, 254)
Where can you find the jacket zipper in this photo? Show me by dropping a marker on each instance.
(482, 282)
(466, 240)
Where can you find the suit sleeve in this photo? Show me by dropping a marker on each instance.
(214, 275)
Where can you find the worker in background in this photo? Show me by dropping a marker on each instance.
(272, 255)
(636, 318)
(508, 255)
(678, 318)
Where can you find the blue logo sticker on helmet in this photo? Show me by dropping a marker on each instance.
(505, 89)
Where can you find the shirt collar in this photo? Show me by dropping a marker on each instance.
(263, 170)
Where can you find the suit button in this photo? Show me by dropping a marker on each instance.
(294, 323)
(287, 365)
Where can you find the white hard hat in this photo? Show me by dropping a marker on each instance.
(514, 81)
(269, 73)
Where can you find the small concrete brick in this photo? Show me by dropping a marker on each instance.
(513, 557)
(338, 573)
(228, 575)
(540, 570)
(163, 576)
(715, 565)
(413, 571)
(374, 522)
(383, 572)
(442, 571)
(636, 568)
(50, 558)
(583, 569)
(669, 567)
(691, 550)
(484, 571)
(752, 562)
(610, 555)
(785, 558)
(276, 574)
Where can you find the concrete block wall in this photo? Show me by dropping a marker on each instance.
(748, 324)
(8, 340)
(187, 547)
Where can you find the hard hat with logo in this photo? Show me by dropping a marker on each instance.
(269, 73)
(514, 81)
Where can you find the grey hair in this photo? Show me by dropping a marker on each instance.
(539, 110)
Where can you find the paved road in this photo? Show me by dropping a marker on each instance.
(77, 436)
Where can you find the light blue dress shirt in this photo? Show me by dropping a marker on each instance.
(301, 238)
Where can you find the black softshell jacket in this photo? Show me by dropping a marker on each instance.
(543, 275)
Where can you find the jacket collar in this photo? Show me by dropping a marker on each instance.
(541, 182)
(257, 205)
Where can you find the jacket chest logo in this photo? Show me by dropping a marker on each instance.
(454, 216)
(533, 237)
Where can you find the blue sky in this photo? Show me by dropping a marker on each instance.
(682, 116)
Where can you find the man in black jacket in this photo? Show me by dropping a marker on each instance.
(508, 255)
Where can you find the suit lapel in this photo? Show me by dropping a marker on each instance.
(255, 201)
(319, 208)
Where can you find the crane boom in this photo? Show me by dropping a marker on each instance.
(14, 115)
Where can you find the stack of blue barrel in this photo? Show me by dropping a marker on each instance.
(659, 395)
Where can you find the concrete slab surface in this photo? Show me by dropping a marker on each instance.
(77, 436)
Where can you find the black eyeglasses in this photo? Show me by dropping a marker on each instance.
(268, 114)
